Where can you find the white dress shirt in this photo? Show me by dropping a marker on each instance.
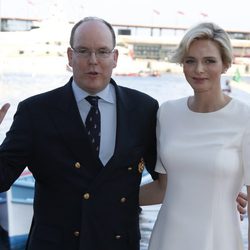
(107, 107)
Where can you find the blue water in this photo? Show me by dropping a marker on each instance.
(16, 86)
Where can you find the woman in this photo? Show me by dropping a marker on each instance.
(203, 146)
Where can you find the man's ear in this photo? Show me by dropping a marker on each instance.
(70, 54)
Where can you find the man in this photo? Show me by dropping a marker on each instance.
(84, 199)
(86, 193)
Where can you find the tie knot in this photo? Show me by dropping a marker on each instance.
(93, 100)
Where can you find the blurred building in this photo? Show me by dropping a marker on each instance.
(18, 15)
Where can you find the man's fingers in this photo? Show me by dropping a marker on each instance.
(5, 107)
(242, 199)
(3, 111)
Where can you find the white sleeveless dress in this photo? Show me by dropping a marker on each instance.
(207, 159)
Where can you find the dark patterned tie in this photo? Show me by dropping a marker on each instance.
(93, 122)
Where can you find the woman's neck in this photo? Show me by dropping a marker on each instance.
(204, 103)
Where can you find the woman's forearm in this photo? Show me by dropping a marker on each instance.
(248, 213)
(153, 192)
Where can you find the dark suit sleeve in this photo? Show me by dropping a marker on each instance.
(15, 149)
(150, 156)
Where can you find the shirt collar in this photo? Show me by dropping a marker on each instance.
(107, 94)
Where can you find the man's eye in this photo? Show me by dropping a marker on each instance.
(83, 51)
(102, 52)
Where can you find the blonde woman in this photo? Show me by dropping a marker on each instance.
(203, 152)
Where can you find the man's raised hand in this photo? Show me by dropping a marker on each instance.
(3, 111)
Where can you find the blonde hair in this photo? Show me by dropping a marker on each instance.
(207, 31)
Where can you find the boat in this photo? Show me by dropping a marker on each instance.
(16, 211)
(139, 54)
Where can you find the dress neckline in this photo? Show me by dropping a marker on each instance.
(227, 106)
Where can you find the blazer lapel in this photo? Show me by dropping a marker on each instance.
(123, 138)
(69, 124)
(68, 121)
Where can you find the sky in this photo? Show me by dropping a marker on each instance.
(229, 14)
(176, 12)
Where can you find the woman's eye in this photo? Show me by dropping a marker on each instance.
(208, 61)
(189, 61)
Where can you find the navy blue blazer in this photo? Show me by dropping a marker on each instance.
(78, 203)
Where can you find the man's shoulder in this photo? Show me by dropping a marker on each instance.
(131, 92)
(136, 94)
(53, 94)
